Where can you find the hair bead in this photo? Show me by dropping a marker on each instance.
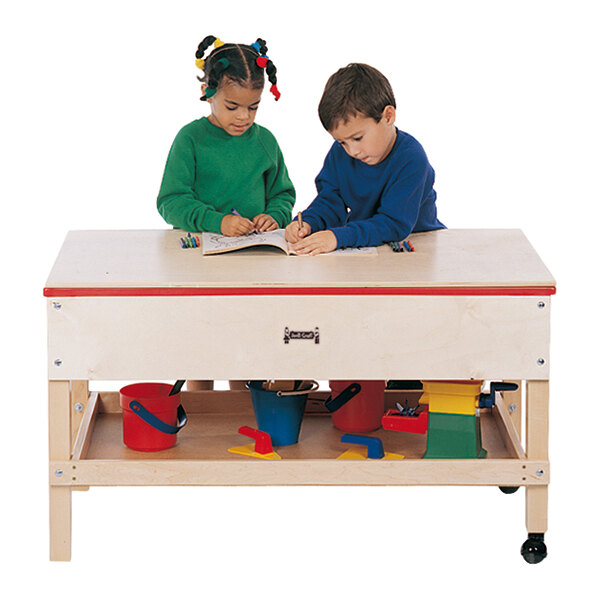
(275, 91)
(244, 65)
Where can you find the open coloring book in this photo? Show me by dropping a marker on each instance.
(216, 243)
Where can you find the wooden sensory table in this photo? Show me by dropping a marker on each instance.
(124, 305)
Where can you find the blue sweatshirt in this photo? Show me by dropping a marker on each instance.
(369, 205)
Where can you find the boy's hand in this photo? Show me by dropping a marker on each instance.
(233, 225)
(264, 222)
(317, 243)
(294, 233)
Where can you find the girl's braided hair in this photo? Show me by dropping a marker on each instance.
(241, 63)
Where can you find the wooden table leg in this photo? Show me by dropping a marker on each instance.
(537, 448)
(59, 432)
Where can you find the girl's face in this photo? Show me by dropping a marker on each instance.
(366, 140)
(233, 107)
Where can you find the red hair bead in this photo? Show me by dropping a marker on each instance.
(261, 61)
(275, 92)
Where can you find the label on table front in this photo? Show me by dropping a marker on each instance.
(300, 335)
(290, 337)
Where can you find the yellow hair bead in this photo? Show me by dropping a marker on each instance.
(218, 43)
(200, 63)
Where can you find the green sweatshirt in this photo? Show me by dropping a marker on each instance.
(209, 173)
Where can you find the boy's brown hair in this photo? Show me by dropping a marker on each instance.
(357, 88)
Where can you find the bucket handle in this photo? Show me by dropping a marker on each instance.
(155, 422)
(332, 404)
(314, 385)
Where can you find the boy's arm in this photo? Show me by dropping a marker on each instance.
(327, 210)
(177, 201)
(280, 192)
(398, 209)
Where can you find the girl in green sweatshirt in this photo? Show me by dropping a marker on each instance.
(225, 173)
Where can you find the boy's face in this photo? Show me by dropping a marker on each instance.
(366, 140)
(233, 107)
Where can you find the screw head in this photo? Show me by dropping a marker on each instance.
(541, 304)
(78, 407)
(58, 472)
(539, 472)
(57, 305)
(512, 408)
(58, 362)
(541, 361)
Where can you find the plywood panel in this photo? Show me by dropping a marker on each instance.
(375, 337)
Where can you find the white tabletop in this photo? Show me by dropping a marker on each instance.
(155, 259)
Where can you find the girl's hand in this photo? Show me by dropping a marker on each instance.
(317, 243)
(294, 233)
(264, 222)
(233, 225)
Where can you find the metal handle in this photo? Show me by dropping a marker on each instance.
(314, 385)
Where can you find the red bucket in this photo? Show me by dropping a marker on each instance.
(364, 411)
(151, 418)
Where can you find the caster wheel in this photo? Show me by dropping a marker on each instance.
(534, 550)
(508, 490)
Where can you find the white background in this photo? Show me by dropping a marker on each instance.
(504, 98)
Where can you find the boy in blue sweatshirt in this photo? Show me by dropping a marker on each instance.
(376, 184)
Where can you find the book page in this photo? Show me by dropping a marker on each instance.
(217, 243)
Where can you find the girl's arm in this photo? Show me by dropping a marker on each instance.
(177, 201)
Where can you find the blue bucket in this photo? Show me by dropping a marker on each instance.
(279, 413)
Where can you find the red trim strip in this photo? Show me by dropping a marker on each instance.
(307, 291)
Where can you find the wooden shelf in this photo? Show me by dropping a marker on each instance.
(201, 455)
(208, 435)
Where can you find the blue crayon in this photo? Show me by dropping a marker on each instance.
(405, 244)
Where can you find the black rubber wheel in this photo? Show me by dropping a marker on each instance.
(508, 489)
(534, 550)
